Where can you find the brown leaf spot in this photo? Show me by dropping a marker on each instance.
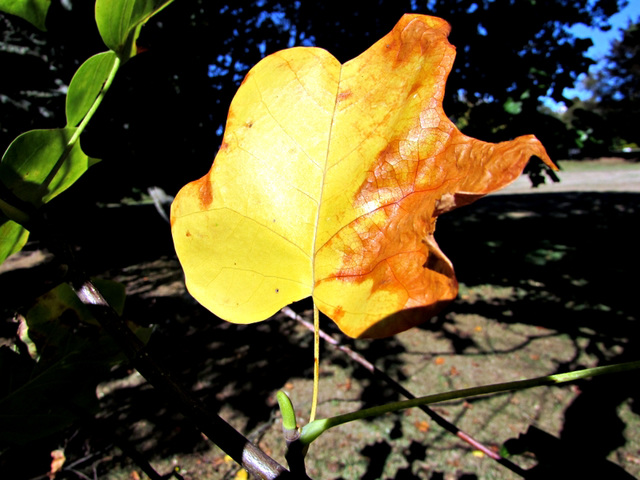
(417, 34)
(204, 190)
(344, 95)
(415, 87)
(338, 313)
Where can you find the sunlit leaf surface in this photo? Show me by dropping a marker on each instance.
(328, 184)
(13, 237)
(86, 85)
(34, 11)
(41, 164)
(119, 22)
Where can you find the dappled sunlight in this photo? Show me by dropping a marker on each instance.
(536, 299)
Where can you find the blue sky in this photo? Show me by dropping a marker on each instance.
(602, 40)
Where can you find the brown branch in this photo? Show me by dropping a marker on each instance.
(232, 442)
(376, 372)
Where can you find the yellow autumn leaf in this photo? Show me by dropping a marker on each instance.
(328, 183)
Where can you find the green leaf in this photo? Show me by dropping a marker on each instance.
(33, 11)
(48, 400)
(287, 411)
(73, 355)
(40, 164)
(63, 302)
(513, 107)
(87, 85)
(119, 22)
(13, 237)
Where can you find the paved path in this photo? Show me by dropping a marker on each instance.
(616, 180)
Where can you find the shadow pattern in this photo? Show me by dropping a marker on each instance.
(572, 259)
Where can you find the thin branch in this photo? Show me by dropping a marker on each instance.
(312, 430)
(232, 442)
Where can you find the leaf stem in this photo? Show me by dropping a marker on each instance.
(316, 362)
(83, 124)
(96, 103)
(312, 430)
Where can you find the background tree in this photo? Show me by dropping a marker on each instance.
(616, 92)
(169, 105)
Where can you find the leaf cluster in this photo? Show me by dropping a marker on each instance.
(60, 339)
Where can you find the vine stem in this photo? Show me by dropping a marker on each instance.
(23, 212)
(312, 430)
(316, 362)
(83, 124)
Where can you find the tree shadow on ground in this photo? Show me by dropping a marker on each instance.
(567, 257)
(220, 363)
(572, 259)
(569, 260)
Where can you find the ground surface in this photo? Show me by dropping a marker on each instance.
(547, 285)
(602, 175)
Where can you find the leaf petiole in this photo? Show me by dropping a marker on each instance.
(316, 362)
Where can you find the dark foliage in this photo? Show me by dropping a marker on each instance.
(616, 89)
(164, 116)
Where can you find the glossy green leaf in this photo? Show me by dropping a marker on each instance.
(119, 22)
(13, 237)
(33, 11)
(88, 84)
(40, 164)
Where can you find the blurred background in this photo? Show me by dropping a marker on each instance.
(566, 71)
